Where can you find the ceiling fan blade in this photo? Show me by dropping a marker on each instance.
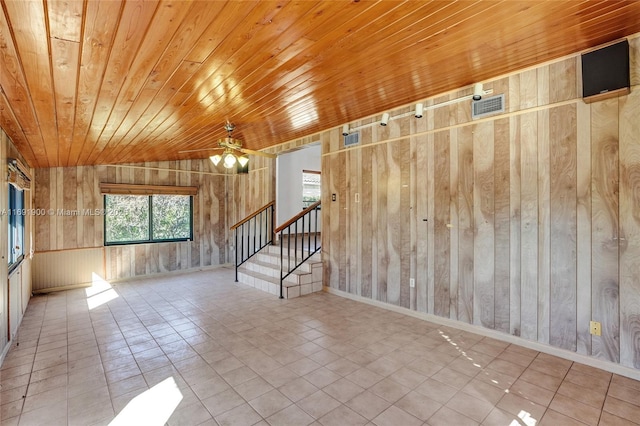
(259, 153)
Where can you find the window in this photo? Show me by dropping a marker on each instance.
(310, 187)
(131, 219)
(16, 226)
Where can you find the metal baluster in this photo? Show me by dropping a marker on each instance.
(235, 234)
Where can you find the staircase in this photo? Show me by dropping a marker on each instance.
(262, 271)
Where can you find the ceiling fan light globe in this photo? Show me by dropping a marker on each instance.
(215, 159)
(243, 160)
(229, 160)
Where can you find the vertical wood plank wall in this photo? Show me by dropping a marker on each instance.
(527, 223)
(75, 189)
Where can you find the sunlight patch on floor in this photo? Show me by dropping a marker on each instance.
(100, 292)
(152, 407)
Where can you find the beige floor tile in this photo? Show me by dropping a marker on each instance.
(253, 388)
(589, 396)
(342, 416)
(452, 378)
(483, 391)
(343, 390)
(318, 404)
(290, 416)
(436, 390)
(368, 404)
(498, 417)
(622, 409)
(418, 405)
(474, 408)
(553, 418)
(575, 409)
(241, 415)
(447, 417)
(532, 392)
(270, 403)
(193, 414)
(608, 419)
(517, 406)
(322, 377)
(298, 389)
(223, 402)
(389, 390)
(541, 379)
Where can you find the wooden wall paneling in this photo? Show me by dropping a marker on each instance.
(79, 222)
(529, 226)
(382, 240)
(356, 174)
(562, 80)
(542, 82)
(42, 202)
(484, 238)
(523, 90)
(629, 235)
(366, 224)
(206, 252)
(466, 225)
(413, 220)
(563, 226)
(340, 236)
(59, 203)
(139, 256)
(70, 205)
(502, 235)
(634, 61)
(405, 215)
(583, 220)
(430, 235)
(396, 274)
(422, 221)
(605, 228)
(544, 225)
(515, 246)
(353, 224)
(333, 224)
(198, 214)
(441, 229)
(97, 200)
(350, 225)
(453, 224)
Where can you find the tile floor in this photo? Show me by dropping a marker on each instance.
(198, 349)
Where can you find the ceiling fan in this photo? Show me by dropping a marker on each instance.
(232, 150)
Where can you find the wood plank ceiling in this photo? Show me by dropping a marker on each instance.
(103, 82)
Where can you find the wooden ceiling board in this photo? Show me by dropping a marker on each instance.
(112, 81)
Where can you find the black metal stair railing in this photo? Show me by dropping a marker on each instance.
(303, 230)
(253, 233)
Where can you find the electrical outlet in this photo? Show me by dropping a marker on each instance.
(357, 197)
(412, 282)
(333, 197)
(595, 328)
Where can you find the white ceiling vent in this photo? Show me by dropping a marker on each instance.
(487, 106)
(352, 139)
